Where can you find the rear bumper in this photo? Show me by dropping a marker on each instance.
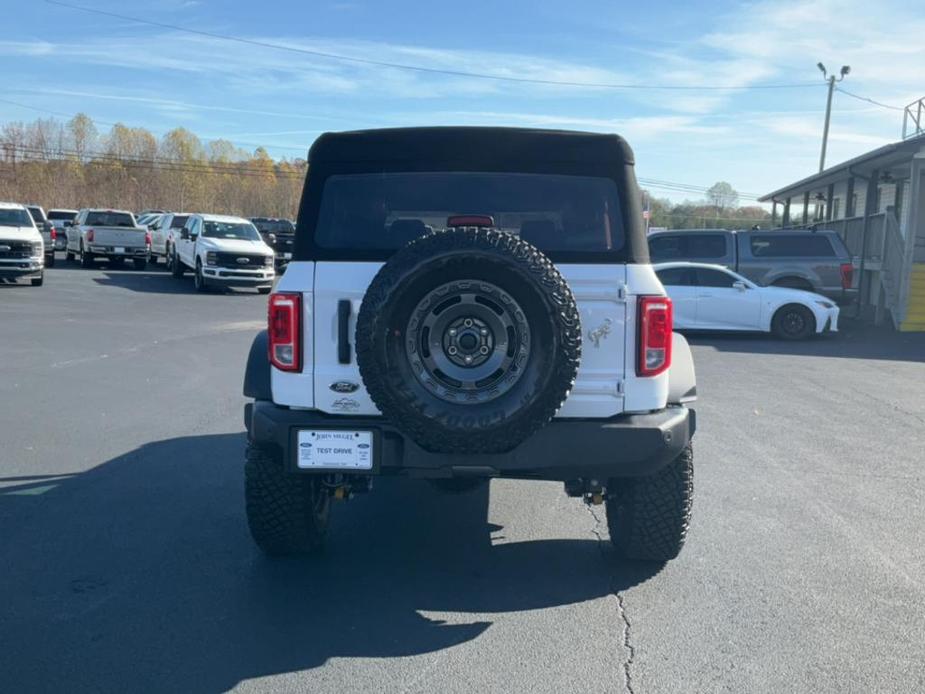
(565, 449)
(128, 252)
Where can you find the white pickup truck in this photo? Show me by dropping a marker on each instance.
(222, 251)
(110, 234)
(21, 246)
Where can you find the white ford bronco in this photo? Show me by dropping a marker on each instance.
(469, 303)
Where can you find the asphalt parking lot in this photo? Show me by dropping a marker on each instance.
(127, 565)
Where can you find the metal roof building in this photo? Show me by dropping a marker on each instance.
(876, 202)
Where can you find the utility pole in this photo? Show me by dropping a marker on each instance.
(845, 69)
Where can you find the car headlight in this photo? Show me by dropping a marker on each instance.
(826, 304)
(38, 248)
(268, 261)
(211, 258)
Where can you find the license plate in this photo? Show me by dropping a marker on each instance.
(339, 450)
(118, 249)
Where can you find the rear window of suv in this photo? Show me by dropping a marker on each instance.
(387, 210)
(109, 219)
(791, 246)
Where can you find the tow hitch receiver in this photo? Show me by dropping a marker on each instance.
(592, 491)
(343, 487)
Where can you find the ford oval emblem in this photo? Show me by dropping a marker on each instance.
(243, 261)
(345, 387)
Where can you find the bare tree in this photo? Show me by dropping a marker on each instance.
(722, 195)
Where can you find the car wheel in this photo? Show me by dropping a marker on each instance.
(286, 514)
(152, 259)
(468, 340)
(793, 322)
(198, 279)
(38, 281)
(140, 263)
(86, 258)
(50, 260)
(648, 517)
(176, 265)
(68, 256)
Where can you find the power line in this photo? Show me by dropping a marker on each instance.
(687, 188)
(422, 68)
(868, 100)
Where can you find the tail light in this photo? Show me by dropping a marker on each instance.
(847, 275)
(54, 234)
(147, 238)
(470, 220)
(90, 236)
(654, 335)
(284, 326)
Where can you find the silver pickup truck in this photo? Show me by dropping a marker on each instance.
(815, 261)
(110, 234)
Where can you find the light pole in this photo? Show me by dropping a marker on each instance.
(845, 69)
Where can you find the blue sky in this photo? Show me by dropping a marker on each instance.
(57, 59)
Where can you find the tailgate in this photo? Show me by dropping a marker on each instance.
(125, 237)
(336, 283)
(598, 289)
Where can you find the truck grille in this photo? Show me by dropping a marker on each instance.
(15, 249)
(234, 260)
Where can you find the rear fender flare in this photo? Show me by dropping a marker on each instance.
(682, 381)
(257, 372)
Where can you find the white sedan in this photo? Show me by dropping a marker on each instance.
(711, 297)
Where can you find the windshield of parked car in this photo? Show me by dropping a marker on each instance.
(553, 212)
(275, 226)
(37, 215)
(110, 219)
(15, 218)
(230, 230)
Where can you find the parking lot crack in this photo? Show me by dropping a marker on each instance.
(628, 648)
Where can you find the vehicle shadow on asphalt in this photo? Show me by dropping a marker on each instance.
(159, 282)
(853, 341)
(140, 575)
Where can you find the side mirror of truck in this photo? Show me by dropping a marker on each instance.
(184, 234)
(741, 286)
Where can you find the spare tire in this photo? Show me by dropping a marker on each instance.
(468, 340)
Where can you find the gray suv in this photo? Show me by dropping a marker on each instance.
(817, 261)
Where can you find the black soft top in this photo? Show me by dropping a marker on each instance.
(470, 144)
